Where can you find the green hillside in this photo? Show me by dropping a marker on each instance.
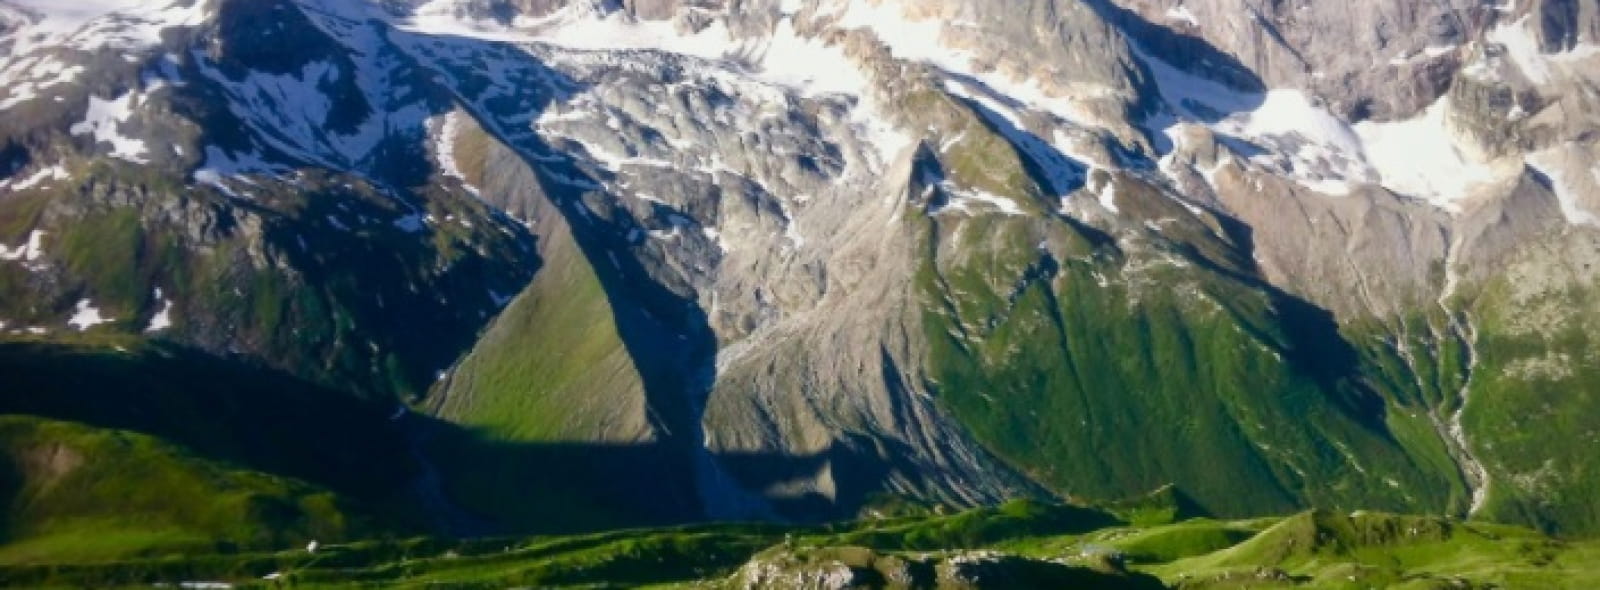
(77, 493)
(216, 412)
(1101, 367)
(1020, 544)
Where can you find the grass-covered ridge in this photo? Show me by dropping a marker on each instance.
(1020, 544)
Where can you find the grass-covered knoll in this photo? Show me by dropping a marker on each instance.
(1165, 505)
(978, 527)
(1021, 544)
(76, 493)
(1366, 549)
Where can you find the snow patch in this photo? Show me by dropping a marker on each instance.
(221, 166)
(879, 132)
(23, 79)
(29, 251)
(777, 67)
(1523, 49)
(923, 41)
(1428, 53)
(715, 235)
(965, 201)
(586, 26)
(1297, 137)
(444, 148)
(290, 108)
(1183, 14)
(1420, 157)
(1291, 135)
(87, 316)
(1291, 112)
(1566, 185)
(163, 318)
(1062, 174)
(90, 25)
(102, 119)
(1108, 196)
(809, 65)
(56, 172)
(289, 112)
(550, 121)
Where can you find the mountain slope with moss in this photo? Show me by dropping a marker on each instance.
(557, 267)
(77, 493)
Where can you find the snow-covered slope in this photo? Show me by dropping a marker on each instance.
(90, 25)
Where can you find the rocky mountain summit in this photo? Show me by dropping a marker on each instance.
(663, 260)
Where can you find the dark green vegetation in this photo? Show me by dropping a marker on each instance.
(170, 448)
(520, 408)
(1102, 360)
(1533, 396)
(74, 493)
(1101, 366)
(1018, 544)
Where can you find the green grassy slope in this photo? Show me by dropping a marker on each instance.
(231, 410)
(546, 422)
(1101, 367)
(552, 367)
(1533, 397)
(1020, 543)
(227, 412)
(77, 493)
(1322, 549)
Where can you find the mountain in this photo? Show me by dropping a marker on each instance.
(558, 266)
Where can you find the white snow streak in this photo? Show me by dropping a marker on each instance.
(102, 121)
(87, 316)
(56, 172)
(28, 251)
(163, 318)
(1566, 186)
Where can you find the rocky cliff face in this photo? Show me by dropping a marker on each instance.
(789, 257)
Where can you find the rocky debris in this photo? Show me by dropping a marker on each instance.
(829, 568)
(1306, 45)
